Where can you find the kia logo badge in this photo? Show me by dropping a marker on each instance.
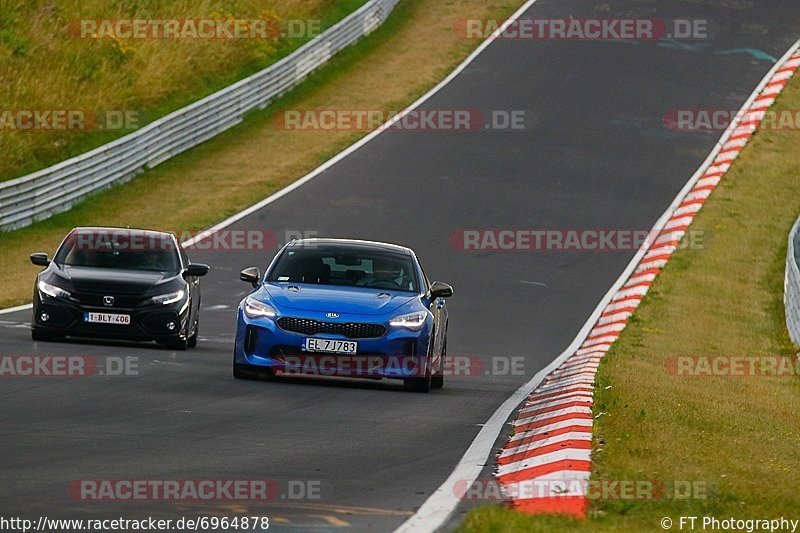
(332, 315)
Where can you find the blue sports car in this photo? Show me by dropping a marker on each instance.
(345, 308)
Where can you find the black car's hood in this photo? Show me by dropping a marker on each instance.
(90, 279)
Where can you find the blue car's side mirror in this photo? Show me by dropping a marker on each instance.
(441, 290)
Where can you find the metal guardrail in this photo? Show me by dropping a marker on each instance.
(791, 294)
(41, 194)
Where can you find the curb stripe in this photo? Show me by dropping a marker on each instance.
(554, 432)
(580, 465)
(573, 444)
(547, 440)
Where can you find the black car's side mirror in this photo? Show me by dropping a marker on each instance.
(251, 275)
(196, 270)
(441, 290)
(40, 259)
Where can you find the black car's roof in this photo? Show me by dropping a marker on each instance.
(352, 243)
(130, 231)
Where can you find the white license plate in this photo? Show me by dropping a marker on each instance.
(330, 346)
(107, 318)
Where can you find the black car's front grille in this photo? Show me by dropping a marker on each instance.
(106, 287)
(97, 300)
(125, 295)
(351, 330)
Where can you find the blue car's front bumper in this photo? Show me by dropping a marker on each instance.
(398, 354)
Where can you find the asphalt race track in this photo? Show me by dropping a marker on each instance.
(594, 154)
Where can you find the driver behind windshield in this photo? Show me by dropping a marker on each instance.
(384, 270)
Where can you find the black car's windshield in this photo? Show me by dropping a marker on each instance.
(338, 265)
(121, 249)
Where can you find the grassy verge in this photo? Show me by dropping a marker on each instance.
(735, 438)
(388, 70)
(53, 68)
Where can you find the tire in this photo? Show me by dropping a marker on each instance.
(437, 381)
(41, 336)
(191, 342)
(241, 371)
(419, 384)
(179, 345)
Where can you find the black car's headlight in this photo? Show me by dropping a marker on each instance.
(413, 321)
(53, 291)
(166, 299)
(255, 309)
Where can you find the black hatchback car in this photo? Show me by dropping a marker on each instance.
(114, 283)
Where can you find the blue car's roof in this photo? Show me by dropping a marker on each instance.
(352, 243)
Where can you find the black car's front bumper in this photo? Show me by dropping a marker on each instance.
(66, 318)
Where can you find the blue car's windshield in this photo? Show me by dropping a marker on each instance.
(346, 266)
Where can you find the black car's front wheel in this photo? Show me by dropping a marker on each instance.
(192, 341)
(41, 336)
(179, 344)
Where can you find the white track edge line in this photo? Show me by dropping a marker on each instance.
(22, 307)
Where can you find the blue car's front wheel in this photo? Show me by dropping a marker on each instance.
(437, 380)
(421, 384)
(241, 371)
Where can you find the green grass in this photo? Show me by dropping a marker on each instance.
(52, 69)
(738, 437)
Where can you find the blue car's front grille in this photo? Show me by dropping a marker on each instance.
(351, 330)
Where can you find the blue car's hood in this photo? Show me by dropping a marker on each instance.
(333, 299)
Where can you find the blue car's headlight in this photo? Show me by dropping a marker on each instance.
(255, 309)
(413, 321)
(52, 290)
